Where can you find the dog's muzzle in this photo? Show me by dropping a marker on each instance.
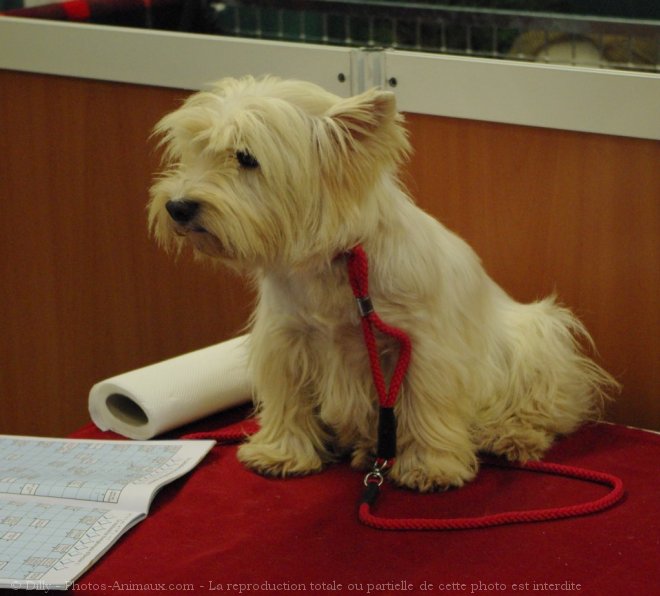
(182, 211)
(186, 215)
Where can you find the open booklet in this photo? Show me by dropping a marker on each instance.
(64, 502)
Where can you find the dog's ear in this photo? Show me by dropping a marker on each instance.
(368, 123)
(361, 116)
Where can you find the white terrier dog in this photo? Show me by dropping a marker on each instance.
(276, 179)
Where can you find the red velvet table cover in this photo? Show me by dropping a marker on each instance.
(224, 530)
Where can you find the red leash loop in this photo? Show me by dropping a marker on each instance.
(510, 517)
(358, 275)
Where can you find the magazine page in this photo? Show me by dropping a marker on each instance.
(117, 474)
(64, 502)
(46, 546)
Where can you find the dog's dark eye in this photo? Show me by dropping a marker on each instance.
(247, 160)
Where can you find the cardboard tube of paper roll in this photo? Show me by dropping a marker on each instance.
(146, 402)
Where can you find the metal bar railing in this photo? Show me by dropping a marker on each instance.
(493, 33)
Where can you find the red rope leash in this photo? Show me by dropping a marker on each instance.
(223, 436)
(238, 434)
(358, 273)
(510, 517)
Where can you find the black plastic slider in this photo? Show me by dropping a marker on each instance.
(386, 434)
(370, 493)
(365, 307)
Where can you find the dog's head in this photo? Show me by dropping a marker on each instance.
(265, 172)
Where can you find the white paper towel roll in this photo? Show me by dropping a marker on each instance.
(149, 401)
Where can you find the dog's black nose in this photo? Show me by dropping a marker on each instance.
(182, 210)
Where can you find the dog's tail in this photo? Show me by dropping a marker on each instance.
(552, 387)
(562, 378)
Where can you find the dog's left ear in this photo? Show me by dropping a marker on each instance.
(369, 121)
(361, 116)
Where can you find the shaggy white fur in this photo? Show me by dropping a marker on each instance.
(275, 179)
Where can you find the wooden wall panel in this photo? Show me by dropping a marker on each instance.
(86, 294)
(557, 211)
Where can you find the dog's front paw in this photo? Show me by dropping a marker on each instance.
(290, 456)
(427, 471)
